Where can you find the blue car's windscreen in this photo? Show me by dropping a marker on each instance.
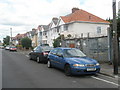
(73, 53)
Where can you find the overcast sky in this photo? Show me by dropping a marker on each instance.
(23, 15)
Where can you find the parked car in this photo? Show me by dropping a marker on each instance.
(1, 47)
(40, 54)
(13, 48)
(7, 47)
(44, 45)
(72, 61)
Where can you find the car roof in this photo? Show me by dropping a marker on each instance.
(64, 48)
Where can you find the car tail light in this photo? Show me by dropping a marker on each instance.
(45, 53)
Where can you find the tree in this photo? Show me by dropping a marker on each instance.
(118, 24)
(69, 35)
(26, 42)
(6, 41)
(57, 42)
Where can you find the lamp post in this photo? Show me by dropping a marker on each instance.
(11, 35)
(115, 40)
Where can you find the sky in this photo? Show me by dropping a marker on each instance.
(23, 15)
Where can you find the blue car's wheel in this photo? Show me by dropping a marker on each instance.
(67, 70)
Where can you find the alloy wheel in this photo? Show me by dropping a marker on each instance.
(38, 59)
(49, 64)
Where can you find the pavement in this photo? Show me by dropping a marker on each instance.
(106, 67)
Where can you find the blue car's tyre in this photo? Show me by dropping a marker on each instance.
(67, 70)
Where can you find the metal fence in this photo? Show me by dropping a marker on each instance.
(95, 47)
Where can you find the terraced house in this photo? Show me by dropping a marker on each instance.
(79, 23)
(76, 23)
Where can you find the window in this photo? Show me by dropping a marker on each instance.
(37, 49)
(46, 48)
(73, 53)
(58, 29)
(44, 33)
(54, 51)
(65, 27)
(60, 52)
(98, 30)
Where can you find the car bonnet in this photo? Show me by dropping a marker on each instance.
(81, 60)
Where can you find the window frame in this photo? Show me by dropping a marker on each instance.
(99, 30)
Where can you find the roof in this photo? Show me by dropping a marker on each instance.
(64, 48)
(45, 27)
(81, 15)
(18, 36)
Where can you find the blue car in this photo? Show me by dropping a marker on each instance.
(72, 61)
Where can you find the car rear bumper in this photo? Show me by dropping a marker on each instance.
(12, 50)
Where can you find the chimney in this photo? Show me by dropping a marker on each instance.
(54, 19)
(74, 9)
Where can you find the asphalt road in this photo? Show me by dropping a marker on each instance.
(20, 72)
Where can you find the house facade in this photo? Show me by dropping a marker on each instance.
(17, 39)
(77, 23)
(42, 34)
(52, 32)
(80, 21)
(34, 37)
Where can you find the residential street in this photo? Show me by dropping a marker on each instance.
(20, 72)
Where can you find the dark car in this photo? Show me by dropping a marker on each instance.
(13, 48)
(72, 61)
(44, 45)
(40, 54)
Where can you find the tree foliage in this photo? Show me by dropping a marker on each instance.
(26, 42)
(57, 42)
(69, 35)
(118, 23)
(6, 40)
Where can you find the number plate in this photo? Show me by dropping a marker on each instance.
(91, 69)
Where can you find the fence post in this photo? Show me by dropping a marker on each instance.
(88, 46)
(97, 48)
(81, 42)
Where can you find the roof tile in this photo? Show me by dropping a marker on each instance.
(81, 15)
